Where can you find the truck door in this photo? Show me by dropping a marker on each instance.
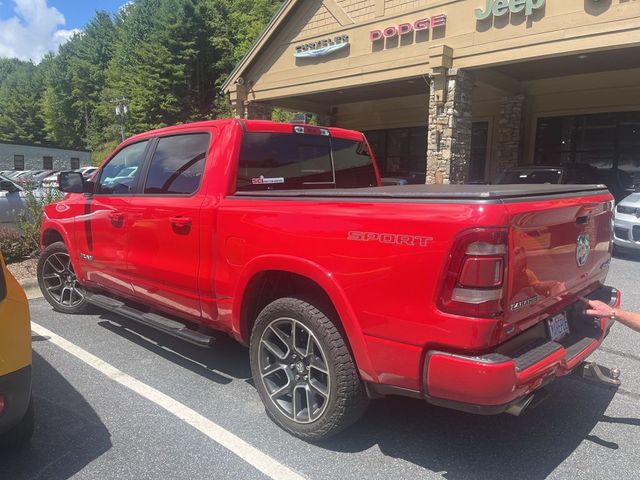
(102, 231)
(164, 246)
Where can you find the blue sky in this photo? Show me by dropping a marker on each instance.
(31, 28)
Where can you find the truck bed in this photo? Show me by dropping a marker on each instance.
(436, 192)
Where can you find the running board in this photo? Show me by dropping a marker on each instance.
(153, 320)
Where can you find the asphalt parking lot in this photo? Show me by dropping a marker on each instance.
(94, 425)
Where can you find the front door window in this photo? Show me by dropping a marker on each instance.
(120, 175)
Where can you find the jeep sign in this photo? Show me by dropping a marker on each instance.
(497, 8)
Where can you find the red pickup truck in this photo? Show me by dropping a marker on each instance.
(279, 235)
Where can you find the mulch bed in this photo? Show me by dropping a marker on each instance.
(24, 269)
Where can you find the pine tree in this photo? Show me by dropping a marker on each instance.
(20, 98)
(168, 58)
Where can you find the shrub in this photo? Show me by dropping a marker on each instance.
(30, 220)
(13, 248)
(23, 241)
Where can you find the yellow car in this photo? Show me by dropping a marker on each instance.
(16, 407)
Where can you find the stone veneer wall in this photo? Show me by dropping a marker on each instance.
(449, 136)
(510, 130)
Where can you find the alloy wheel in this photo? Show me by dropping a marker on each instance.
(60, 280)
(294, 370)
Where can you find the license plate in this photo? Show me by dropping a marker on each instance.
(558, 326)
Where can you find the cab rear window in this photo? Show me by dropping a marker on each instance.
(281, 161)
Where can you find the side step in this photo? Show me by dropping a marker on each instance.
(152, 320)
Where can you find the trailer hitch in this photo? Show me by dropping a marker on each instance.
(607, 376)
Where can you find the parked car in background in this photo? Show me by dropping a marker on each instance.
(13, 201)
(51, 181)
(627, 224)
(619, 182)
(122, 178)
(16, 407)
(33, 178)
(86, 171)
(14, 173)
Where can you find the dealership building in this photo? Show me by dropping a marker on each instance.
(452, 91)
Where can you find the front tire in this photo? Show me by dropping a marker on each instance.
(304, 372)
(58, 281)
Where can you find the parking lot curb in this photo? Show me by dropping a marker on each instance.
(31, 288)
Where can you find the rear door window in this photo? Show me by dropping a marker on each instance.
(281, 161)
(177, 165)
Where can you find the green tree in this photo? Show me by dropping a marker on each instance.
(168, 58)
(166, 78)
(61, 122)
(20, 100)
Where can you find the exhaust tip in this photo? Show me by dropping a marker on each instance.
(531, 401)
(517, 408)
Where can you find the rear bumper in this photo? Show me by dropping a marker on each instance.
(15, 387)
(490, 384)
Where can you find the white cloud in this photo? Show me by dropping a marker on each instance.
(32, 31)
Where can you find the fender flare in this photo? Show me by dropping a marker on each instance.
(326, 280)
(51, 225)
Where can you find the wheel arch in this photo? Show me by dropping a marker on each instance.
(301, 278)
(51, 235)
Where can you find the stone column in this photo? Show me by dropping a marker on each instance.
(510, 130)
(449, 131)
(258, 111)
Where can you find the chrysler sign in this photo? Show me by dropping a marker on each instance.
(406, 28)
(321, 47)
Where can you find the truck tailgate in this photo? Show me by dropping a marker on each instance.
(558, 250)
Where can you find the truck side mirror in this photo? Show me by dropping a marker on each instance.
(71, 182)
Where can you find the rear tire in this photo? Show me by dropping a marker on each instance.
(19, 435)
(304, 372)
(58, 282)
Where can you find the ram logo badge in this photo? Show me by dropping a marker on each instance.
(390, 239)
(583, 249)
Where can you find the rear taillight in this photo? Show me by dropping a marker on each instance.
(473, 284)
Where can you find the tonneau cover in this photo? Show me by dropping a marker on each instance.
(435, 192)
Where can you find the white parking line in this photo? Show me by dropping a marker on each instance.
(215, 432)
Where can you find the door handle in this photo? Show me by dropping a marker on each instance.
(116, 218)
(181, 222)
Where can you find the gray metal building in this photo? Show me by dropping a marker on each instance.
(16, 156)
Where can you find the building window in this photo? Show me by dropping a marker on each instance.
(47, 163)
(479, 144)
(604, 145)
(75, 163)
(18, 162)
(401, 153)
